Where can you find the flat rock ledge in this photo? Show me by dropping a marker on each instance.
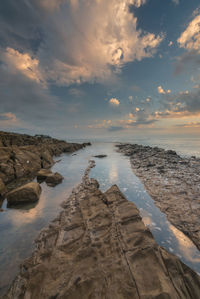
(98, 247)
(172, 181)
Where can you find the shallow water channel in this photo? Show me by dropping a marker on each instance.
(19, 227)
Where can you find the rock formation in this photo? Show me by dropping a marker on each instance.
(43, 174)
(22, 156)
(25, 194)
(98, 247)
(52, 179)
(172, 181)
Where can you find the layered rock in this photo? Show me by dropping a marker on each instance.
(98, 247)
(27, 193)
(173, 183)
(23, 155)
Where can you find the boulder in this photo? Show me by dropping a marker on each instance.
(25, 194)
(43, 174)
(54, 179)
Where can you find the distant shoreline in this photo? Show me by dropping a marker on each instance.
(173, 183)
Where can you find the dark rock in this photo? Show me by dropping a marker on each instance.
(43, 174)
(25, 194)
(100, 156)
(54, 179)
(170, 152)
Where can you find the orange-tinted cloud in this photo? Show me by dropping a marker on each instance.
(23, 63)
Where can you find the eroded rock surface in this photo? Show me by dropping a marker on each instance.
(172, 181)
(22, 156)
(25, 194)
(98, 247)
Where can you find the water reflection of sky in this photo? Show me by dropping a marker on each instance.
(115, 169)
(19, 227)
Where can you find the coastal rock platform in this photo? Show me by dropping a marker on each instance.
(172, 181)
(22, 156)
(98, 247)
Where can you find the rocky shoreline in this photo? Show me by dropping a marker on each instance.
(172, 181)
(22, 156)
(98, 247)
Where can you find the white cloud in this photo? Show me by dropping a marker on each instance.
(114, 102)
(92, 40)
(190, 38)
(162, 91)
(23, 63)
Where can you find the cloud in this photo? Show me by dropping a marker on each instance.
(190, 41)
(74, 41)
(9, 119)
(130, 99)
(162, 91)
(115, 128)
(8, 116)
(188, 58)
(76, 92)
(114, 102)
(190, 125)
(22, 62)
(176, 2)
(190, 38)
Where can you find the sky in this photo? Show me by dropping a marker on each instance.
(99, 68)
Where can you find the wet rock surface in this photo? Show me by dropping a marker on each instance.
(98, 247)
(25, 194)
(172, 181)
(22, 156)
(52, 179)
(43, 174)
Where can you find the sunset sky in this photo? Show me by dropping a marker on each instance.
(89, 68)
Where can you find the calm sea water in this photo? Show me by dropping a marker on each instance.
(187, 145)
(19, 227)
